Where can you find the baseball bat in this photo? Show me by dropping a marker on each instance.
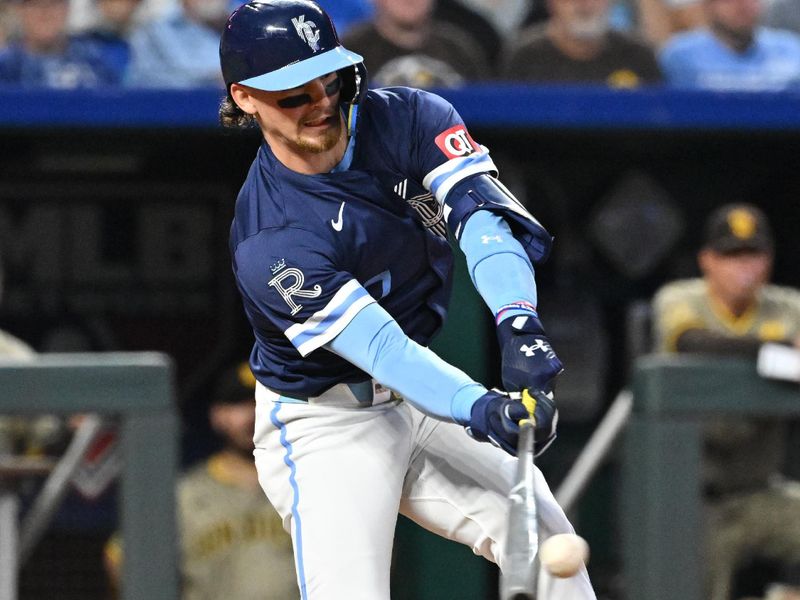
(519, 578)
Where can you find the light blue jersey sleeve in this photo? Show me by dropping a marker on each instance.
(498, 266)
(375, 343)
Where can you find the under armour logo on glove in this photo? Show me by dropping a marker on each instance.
(528, 359)
(538, 344)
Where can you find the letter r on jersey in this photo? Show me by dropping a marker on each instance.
(294, 289)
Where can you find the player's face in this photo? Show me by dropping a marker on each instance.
(299, 122)
(236, 424)
(736, 277)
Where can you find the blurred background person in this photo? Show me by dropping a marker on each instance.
(731, 311)
(83, 13)
(232, 542)
(404, 45)
(110, 30)
(490, 22)
(347, 13)
(734, 52)
(782, 14)
(44, 54)
(577, 45)
(181, 48)
(7, 24)
(658, 20)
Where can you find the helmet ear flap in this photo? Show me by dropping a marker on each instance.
(354, 83)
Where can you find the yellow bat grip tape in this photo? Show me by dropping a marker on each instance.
(530, 403)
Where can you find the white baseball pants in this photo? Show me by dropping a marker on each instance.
(338, 477)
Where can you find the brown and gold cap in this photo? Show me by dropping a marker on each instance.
(738, 227)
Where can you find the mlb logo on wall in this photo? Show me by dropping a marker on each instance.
(456, 142)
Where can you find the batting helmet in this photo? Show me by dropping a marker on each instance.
(282, 44)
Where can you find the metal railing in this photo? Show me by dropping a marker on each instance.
(661, 494)
(138, 389)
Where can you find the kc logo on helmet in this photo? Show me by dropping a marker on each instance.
(308, 31)
(456, 142)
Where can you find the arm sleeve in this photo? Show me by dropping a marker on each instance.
(498, 266)
(374, 342)
(285, 278)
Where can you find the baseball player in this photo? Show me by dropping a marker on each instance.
(340, 252)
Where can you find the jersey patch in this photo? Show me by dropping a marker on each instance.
(456, 142)
(289, 283)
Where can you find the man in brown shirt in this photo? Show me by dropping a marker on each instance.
(577, 45)
(404, 45)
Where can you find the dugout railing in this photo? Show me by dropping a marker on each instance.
(137, 389)
(661, 497)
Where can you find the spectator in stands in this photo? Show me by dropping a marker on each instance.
(114, 20)
(347, 13)
(734, 52)
(232, 542)
(180, 49)
(506, 16)
(659, 20)
(782, 14)
(732, 311)
(404, 45)
(6, 24)
(480, 30)
(577, 45)
(45, 55)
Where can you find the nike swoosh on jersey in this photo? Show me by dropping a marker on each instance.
(337, 224)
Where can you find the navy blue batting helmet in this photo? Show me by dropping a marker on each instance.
(282, 44)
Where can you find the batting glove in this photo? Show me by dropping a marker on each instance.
(527, 358)
(496, 415)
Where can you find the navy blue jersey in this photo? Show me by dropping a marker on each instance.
(310, 251)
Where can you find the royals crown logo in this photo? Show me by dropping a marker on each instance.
(278, 266)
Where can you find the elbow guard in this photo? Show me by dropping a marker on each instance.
(484, 192)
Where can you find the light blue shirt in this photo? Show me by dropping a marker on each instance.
(698, 59)
(174, 52)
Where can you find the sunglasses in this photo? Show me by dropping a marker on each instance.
(302, 99)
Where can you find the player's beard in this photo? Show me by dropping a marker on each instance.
(320, 144)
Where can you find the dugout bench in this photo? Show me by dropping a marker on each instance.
(138, 388)
(661, 500)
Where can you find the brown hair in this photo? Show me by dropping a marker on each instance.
(231, 116)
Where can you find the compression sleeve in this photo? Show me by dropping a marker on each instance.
(375, 343)
(498, 266)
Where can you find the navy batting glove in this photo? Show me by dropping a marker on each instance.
(496, 415)
(527, 358)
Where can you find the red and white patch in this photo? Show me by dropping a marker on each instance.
(456, 142)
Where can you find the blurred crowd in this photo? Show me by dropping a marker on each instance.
(710, 44)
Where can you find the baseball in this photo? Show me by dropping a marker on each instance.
(564, 554)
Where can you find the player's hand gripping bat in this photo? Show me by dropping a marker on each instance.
(519, 578)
